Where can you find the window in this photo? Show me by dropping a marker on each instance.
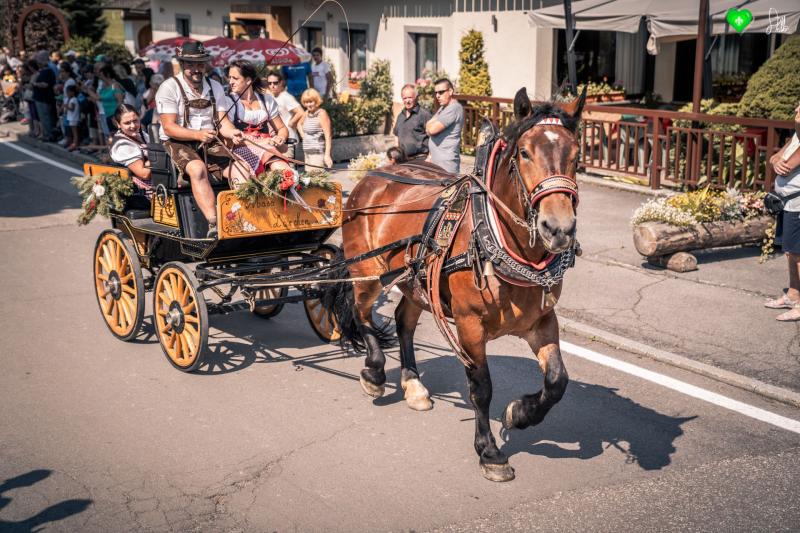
(310, 38)
(358, 50)
(183, 25)
(426, 53)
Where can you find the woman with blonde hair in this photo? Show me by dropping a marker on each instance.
(315, 129)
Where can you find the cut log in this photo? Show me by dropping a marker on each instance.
(679, 262)
(657, 238)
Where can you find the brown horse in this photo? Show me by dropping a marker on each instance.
(540, 146)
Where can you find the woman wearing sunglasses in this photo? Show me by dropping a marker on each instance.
(254, 111)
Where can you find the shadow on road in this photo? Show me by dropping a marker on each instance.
(54, 513)
(589, 419)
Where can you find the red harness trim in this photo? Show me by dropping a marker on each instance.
(541, 265)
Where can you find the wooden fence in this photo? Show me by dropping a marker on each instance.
(663, 148)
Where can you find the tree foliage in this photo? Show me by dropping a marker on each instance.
(474, 73)
(773, 91)
(377, 86)
(85, 18)
(41, 29)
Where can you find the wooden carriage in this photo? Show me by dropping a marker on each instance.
(160, 246)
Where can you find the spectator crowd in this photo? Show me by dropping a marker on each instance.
(72, 99)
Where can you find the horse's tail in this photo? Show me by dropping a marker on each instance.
(337, 298)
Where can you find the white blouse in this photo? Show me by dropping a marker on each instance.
(126, 151)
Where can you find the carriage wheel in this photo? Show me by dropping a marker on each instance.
(180, 316)
(269, 311)
(118, 284)
(322, 321)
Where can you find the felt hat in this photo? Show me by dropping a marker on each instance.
(192, 51)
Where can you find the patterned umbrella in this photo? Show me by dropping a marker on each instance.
(164, 50)
(270, 51)
(221, 49)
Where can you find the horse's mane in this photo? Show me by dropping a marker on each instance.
(540, 110)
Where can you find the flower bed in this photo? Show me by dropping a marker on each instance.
(701, 219)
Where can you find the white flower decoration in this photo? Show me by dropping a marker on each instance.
(249, 228)
(98, 190)
(306, 181)
(235, 207)
(331, 199)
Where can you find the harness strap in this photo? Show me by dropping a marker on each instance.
(445, 235)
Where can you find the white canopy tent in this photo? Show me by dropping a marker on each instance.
(670, 18)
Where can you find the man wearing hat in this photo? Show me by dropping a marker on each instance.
(192, 109)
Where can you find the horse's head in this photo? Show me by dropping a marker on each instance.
(542, 156)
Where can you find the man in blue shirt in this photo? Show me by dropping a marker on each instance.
(297, 78)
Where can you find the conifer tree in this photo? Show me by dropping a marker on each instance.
(85, 18)
(473, 77)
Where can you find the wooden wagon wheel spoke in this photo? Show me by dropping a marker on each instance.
(188, 342)
(126, 278)
(161, 312)
(170, 294)
(165, 327)
(128, 289)
(102, 277)
(105, 264)
(178, 346)
(191, 319)
(171, 339)
(190, 307)
(192, 330)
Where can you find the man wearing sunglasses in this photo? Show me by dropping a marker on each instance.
(288, 107)
(444, 129)
(192, 109)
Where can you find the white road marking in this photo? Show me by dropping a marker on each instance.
(73, 170)
(684, 388)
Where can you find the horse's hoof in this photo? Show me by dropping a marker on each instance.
(497, 473)
(416, 395)
(370, 389)
(508, 415)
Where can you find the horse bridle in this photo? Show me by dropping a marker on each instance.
(554, 183)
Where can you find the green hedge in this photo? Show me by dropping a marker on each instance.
(773, 92)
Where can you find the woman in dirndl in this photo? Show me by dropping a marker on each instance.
(129, 148)
(254, 111)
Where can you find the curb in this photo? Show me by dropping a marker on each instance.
(54, 149)
(724, 376)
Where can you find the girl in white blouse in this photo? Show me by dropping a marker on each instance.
(129, 147)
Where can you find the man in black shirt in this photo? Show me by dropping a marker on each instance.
(44, 97)
(410, 124)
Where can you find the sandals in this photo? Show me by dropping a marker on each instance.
(784, 302)
(793, 315)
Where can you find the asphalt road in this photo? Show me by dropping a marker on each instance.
(276, 435)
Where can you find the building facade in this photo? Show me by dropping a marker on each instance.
(413, 35)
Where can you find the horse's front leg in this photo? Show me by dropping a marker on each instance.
(532, 408)
(416, 395)
(494, 463)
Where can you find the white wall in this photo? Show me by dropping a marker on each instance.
(203, 25)
(132, 28)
